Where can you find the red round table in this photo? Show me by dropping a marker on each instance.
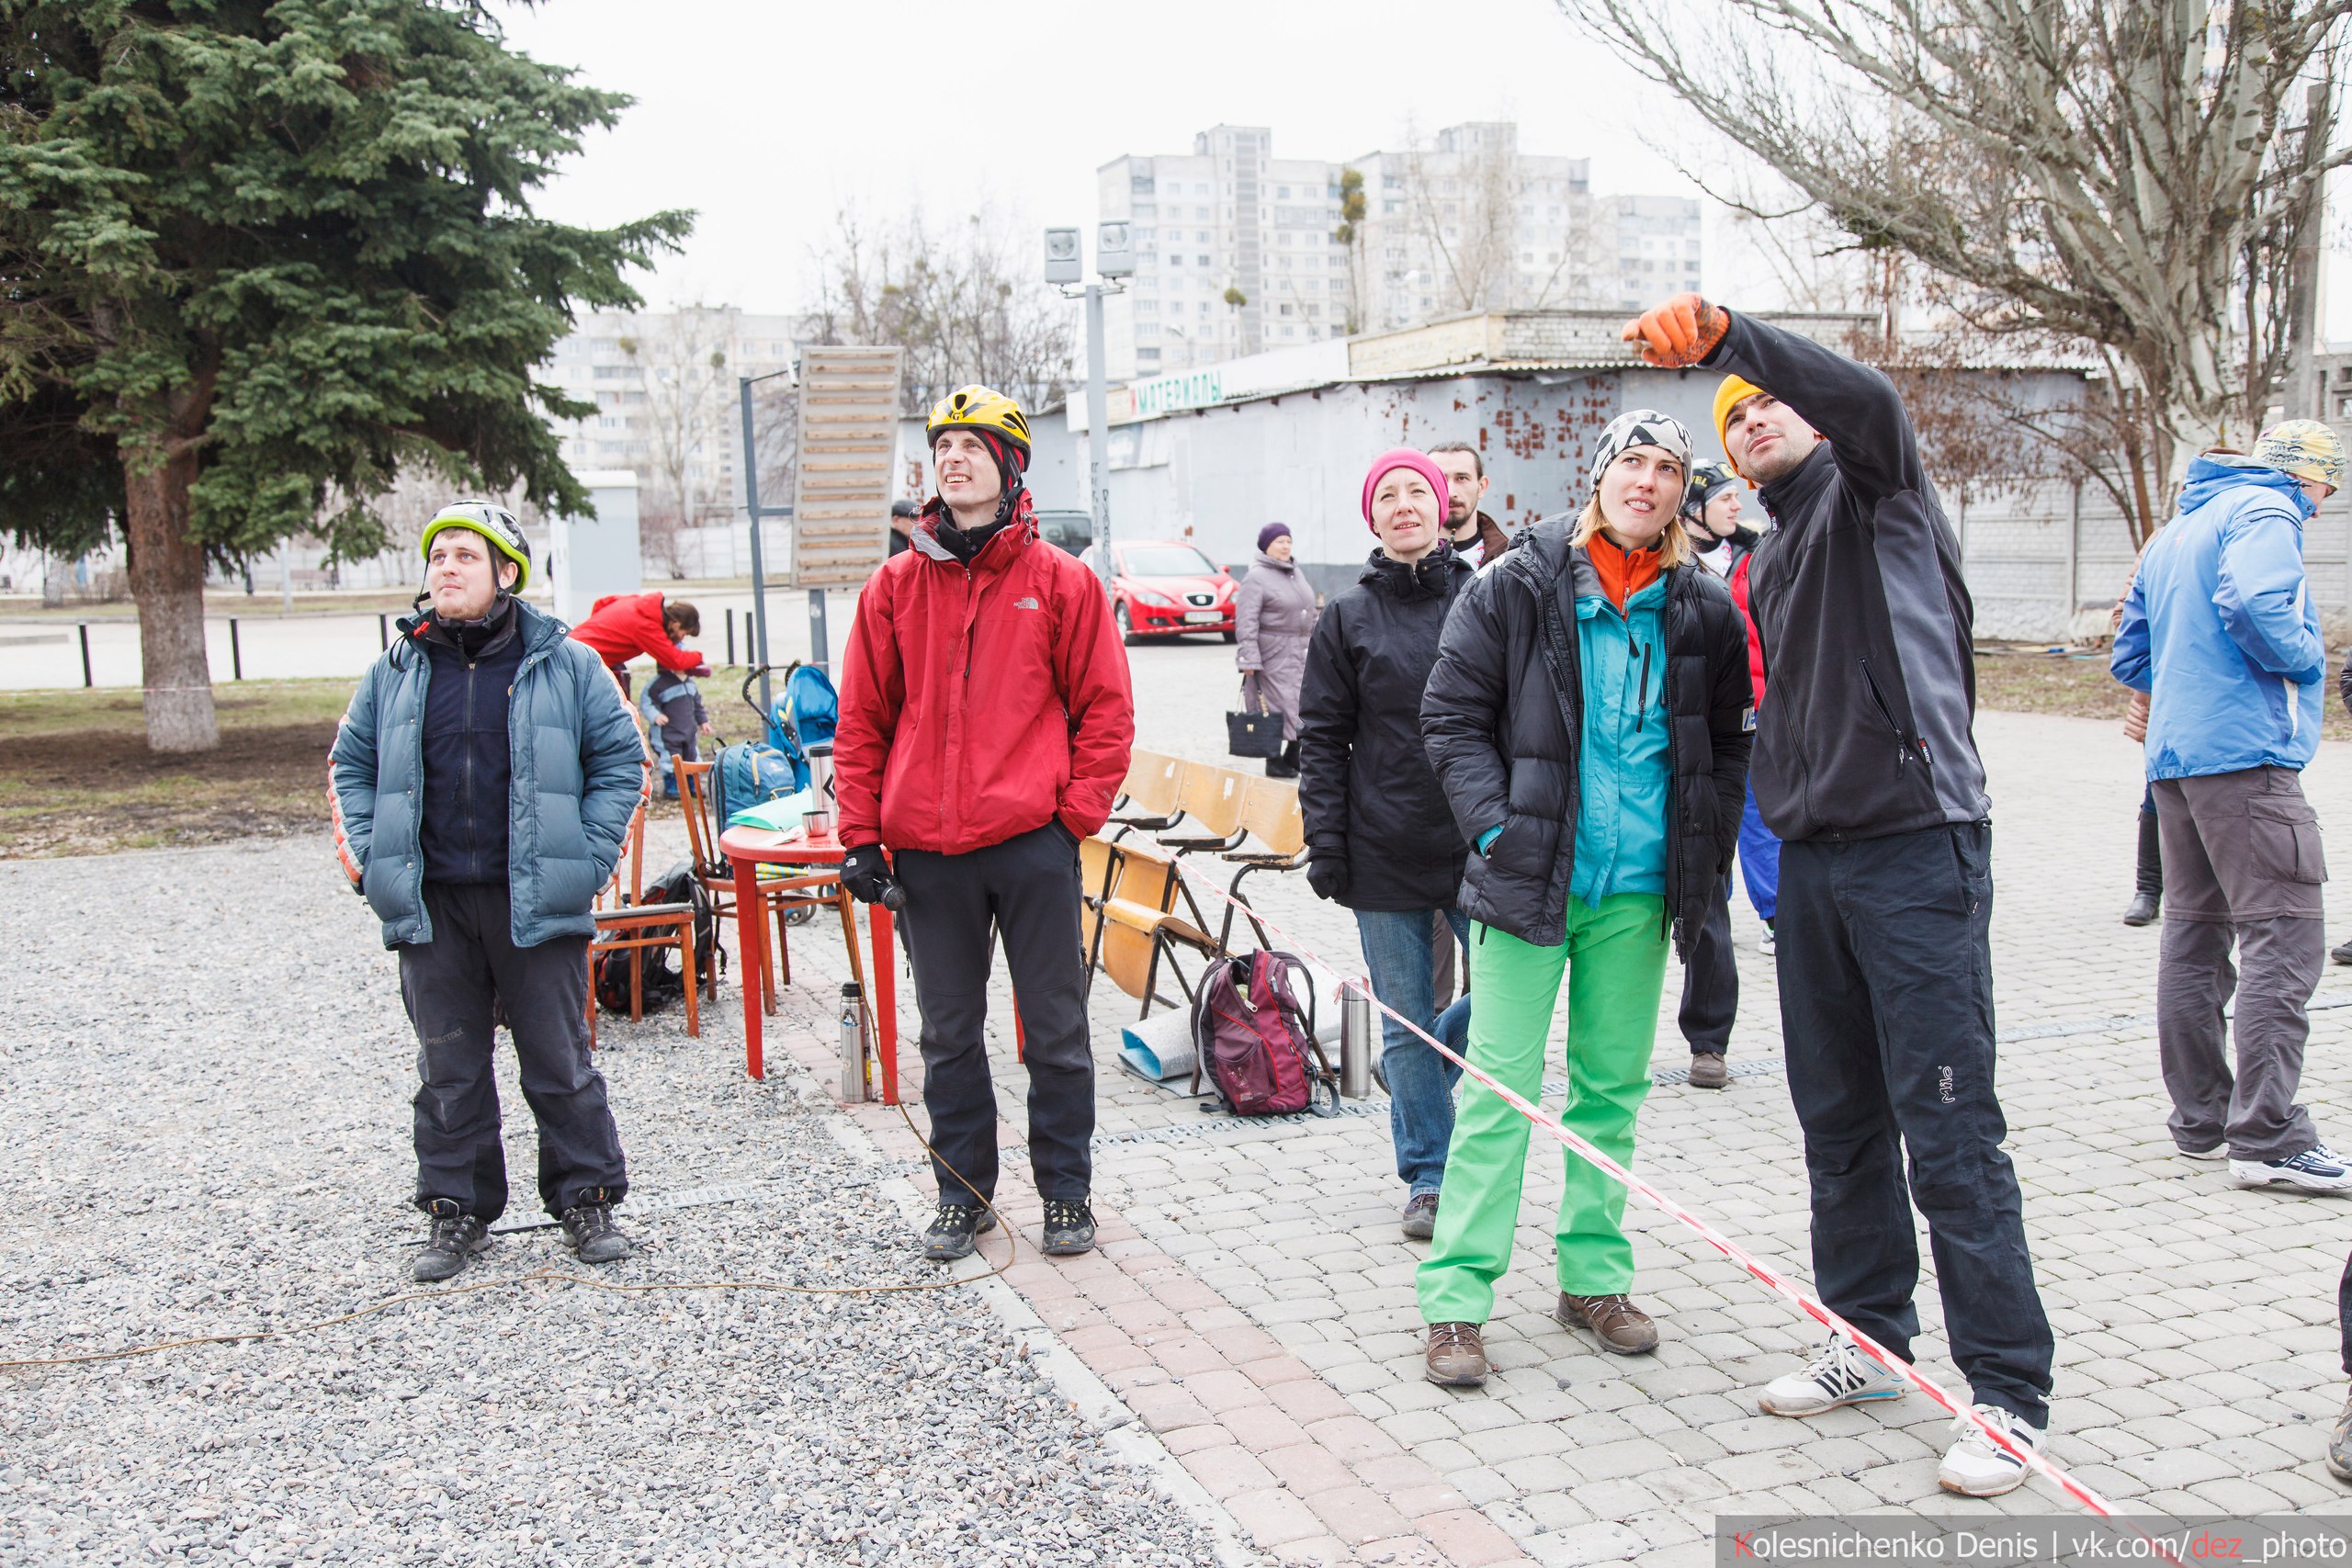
(748, 849)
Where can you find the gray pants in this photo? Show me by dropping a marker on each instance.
(2242, 861)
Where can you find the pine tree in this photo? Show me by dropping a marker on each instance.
(258, 254)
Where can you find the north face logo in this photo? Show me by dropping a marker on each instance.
(1024, 603)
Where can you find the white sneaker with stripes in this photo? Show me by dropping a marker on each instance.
(1976, 1466)
(1841, 1374)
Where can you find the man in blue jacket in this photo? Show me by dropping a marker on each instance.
(2220, 630)
(484, 778)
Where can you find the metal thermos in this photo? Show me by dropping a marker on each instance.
(856, 1082)
(1355, 1039)
(820, 774)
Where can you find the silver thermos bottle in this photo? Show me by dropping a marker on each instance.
(1355, 1039)
(856, 1083)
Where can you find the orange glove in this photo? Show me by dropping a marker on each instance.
(1680, 333)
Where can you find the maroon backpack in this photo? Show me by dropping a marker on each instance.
(1253, 1039)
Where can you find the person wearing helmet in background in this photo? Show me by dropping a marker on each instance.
(2219, 629)
(986, 722)
(1710, 510)
(484, 778)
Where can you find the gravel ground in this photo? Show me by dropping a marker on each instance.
(204, 1077)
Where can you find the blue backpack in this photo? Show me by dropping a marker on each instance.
(752, 772)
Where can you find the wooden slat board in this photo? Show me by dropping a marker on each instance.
(841, 488)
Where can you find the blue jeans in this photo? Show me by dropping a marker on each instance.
(1400, 950)
(1760, 860)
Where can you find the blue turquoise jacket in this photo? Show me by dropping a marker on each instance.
(2220, 630)
(1625, 763)
(579, 773)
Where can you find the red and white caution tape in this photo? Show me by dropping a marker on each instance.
(1763, 1272)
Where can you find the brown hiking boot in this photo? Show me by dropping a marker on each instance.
(2339, 1447)
(1707, 1070)
(1457, 1355)
(1620, 1326)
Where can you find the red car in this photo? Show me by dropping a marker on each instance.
(1166, 588)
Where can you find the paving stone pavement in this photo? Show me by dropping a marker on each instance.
(2198, 1369)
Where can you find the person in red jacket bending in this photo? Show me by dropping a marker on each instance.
(620, 627)
(986, 722)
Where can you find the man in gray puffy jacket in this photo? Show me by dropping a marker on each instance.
(484, 779)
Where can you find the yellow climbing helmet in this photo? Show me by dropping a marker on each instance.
(979, 407)
(493, 522)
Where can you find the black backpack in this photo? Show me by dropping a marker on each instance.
(665, 981)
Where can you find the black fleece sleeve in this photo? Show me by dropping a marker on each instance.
(1461, 710)
(1327, 737)
(1731, 703)
(1855, 406)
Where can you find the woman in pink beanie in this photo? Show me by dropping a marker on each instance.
(1380, 839)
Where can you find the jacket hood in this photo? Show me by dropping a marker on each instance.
(536, 628)
(2213, 472)
(1429, 578)
(1021, 528)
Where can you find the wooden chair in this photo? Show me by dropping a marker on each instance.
(1210, 800)
(1098, 873)
(1270, 815)
(1148, 797)
(1139, 927)
(791, 900)
(624, 925)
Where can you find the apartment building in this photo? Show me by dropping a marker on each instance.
(664, 387)
(1238, 252)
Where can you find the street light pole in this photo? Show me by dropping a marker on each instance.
(759, 650)
(1114, 259)
(1098, 432)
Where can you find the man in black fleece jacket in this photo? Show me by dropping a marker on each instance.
(1866, 765)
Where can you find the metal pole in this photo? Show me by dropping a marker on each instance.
(817, 641)
(1098, 433)
(84, 627)
(383, 631)
(286, 575)
(759, 569)
(730, 637)
(236, 659)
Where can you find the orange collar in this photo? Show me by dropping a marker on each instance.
(1622, 574)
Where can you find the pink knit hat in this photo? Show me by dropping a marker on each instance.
(1405, 457)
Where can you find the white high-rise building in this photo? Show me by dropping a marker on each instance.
(1238, 252)
(1233, 253)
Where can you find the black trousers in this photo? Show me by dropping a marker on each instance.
(1711, 979)
(1027, 888)
(450, 985)
(1886, 1008)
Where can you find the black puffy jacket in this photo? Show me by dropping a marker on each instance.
(1364, 783)
(1504, 719)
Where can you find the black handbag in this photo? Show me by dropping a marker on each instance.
(1256, 730)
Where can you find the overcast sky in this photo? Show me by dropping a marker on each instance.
(768, 116)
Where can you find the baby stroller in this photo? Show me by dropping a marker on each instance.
(794, 754)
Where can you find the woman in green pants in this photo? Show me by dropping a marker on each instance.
(1588, 718)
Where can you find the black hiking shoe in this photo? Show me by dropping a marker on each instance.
(952, 1232)
(456, 1236)
(589, 1230)
(1070, 1228)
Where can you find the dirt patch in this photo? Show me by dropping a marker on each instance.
(96, 791)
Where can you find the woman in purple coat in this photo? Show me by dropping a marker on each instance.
(1272, 617)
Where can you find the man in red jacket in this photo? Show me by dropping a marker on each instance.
(986, 722)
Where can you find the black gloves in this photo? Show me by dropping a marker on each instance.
(1329, 878)
(865, 872)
